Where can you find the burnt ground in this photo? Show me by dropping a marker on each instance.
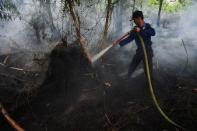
(76, 96)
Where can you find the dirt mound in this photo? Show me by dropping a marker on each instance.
(66, 64)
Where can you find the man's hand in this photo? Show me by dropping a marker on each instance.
(115, 42)
(136, 29)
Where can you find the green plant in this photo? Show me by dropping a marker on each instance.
(170, 5)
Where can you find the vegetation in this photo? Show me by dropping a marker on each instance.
(170, 5)
(8, 10)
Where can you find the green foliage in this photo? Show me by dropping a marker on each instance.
(170, 5)
(101, 6)
(8, 9)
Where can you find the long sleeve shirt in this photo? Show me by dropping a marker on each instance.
(146, 32)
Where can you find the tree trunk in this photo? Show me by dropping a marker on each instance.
(76, 20)
(48, 8)
(159, 12)
(118, 18)
(107, 22)
(134, 2)
(141, 4)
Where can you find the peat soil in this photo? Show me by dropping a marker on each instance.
(77, 96)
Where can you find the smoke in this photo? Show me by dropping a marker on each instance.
(188, 24)
(169, 42)
(29, 35)
(174, 44)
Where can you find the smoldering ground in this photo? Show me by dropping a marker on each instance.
(76, 96)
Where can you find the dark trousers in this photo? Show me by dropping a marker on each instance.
(138, 57)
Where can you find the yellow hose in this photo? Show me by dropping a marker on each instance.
(151, 87)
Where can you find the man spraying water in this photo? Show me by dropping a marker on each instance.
(145, 31)
(141, 33)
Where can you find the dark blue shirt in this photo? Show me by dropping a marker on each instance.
(146, 32)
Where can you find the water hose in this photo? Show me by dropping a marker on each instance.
(151, 86)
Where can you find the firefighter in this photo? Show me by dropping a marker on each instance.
(146, 31)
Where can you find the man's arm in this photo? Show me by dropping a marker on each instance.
(148, 31)
(128, 39)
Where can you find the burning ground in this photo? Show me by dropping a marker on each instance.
(74, 95)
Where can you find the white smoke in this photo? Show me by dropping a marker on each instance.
(169, 47)
(188, 24)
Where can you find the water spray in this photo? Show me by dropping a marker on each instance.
(101, 53)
